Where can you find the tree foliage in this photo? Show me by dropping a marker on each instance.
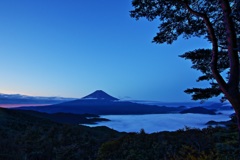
(217, 21)
(207, 144)
(176, 19)
(199, 18)
(201, 58)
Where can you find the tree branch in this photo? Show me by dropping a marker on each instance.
(223, 85)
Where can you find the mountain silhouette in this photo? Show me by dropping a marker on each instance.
(101, 103)
(199, 110)
(100, 95)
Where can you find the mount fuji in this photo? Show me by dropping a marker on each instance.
(101, 103)
(100, 95)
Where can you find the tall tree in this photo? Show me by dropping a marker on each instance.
(218, 21)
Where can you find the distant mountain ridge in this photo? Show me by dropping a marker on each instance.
(101, 103)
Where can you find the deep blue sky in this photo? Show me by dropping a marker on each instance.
(73, 47)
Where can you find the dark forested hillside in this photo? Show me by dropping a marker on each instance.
(67, 118)
(185, 144)
(24, 136)
(28, 137)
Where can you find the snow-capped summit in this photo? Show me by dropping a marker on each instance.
(100, 95)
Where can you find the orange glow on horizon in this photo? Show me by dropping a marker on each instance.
(19, 105)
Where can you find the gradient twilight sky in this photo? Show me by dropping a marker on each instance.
(71, 48)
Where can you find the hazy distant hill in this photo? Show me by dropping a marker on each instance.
(101, 103)
(23, 99)
(208, 104)
(199, 110)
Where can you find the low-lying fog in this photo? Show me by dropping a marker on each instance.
(160, 122)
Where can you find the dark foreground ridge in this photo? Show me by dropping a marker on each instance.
(25, 136)
(67, 118)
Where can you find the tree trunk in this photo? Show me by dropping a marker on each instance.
(232, 90)
(238, 123)
(238, 119)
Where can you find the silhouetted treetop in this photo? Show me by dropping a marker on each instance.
(183, 18)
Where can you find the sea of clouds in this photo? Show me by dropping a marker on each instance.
(160, 122)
